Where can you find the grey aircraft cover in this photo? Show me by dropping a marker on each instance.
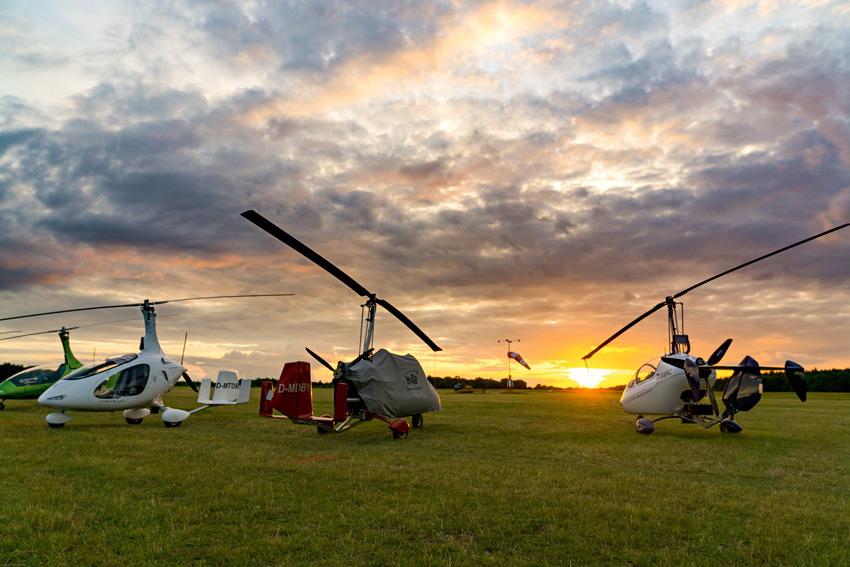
(394, 385)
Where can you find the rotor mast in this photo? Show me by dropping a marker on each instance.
(679, 343)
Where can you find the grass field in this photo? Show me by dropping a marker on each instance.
(530, 478)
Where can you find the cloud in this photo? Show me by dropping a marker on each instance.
(484, 166)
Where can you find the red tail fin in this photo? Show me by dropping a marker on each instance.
(293, 396)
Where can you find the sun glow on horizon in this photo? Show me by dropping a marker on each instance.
(587, 377)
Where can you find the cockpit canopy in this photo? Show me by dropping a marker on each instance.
(100, 366)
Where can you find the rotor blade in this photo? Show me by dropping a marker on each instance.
(185, 376)
(745, 264)
(265, 224)
(142, 304)
(77, 327)
(39, 333)
(408, 323)
(624, 329)
(72, 311)
(220, 297)
(321, 360)
(718, 354)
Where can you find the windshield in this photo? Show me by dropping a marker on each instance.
(101, 366)
(39, 375)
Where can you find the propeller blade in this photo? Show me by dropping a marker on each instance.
(265, 224)
(718, 354)
(189, 381)
(360, 357)
(408, 323)
(692, 373)
(797, 376)
(321, 360)
(624, 329)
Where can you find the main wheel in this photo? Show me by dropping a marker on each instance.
(416, 421)
(321, 430)
(56, 425)
(172, 423)
(2, 406)
(133, 421)
(399, 434)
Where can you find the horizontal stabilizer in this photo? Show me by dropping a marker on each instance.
(226, 390)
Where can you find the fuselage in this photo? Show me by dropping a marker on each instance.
(118, 383)
(660, 386)
(30, 383)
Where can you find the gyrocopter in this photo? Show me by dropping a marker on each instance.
(375, 385)
(135, 383)
(673, 384)
(30, 383)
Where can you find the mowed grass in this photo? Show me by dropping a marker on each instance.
(529, 478)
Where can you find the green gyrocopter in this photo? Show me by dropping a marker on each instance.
(30, 383)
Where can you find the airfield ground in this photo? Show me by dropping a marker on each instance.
(529, 478)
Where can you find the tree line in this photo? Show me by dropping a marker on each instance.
(836, 380)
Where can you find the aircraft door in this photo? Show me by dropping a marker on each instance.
(128, 382)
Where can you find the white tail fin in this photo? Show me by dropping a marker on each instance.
(227, 390)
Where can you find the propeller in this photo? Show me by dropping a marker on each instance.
(692, 373)
(321, 360)
(188, 380)
(672, 298)
(143, 304)
(718, 354)
(277, 232)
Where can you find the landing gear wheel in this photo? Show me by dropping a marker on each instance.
(399, 434)
(133, 421)
(321, 430)
(56, 425)
(2, 406)
(171, 423)
(416, 421)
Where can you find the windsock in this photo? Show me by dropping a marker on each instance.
(518, 358)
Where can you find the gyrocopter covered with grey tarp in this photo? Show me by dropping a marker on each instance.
(375, 385)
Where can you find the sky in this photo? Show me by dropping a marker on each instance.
(542, 172)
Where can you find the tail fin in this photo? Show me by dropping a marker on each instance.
(797, 376)
(227, 390)
(743, 391)
(293, 396)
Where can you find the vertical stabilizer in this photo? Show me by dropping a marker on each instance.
(293, 396)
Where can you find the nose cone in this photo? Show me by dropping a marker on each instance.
(54, 397)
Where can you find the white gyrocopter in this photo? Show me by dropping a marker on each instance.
(135, 383)
(673, 386)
